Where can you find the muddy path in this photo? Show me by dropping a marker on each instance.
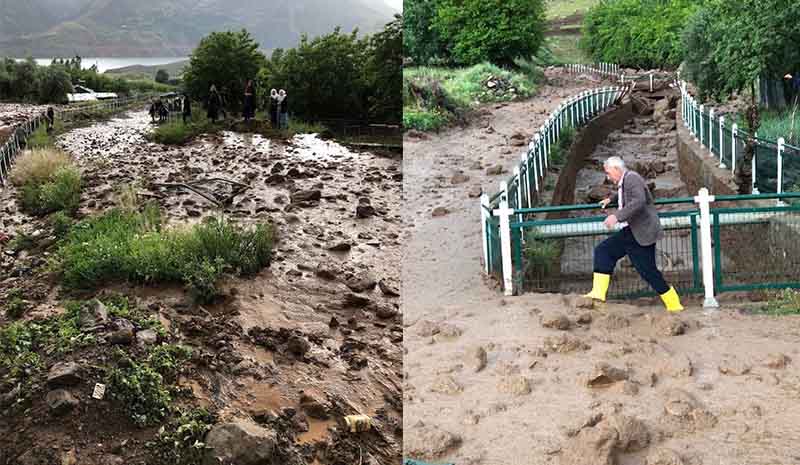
(317, 333)
(536, 379)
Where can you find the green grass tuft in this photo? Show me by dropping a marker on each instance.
(785, 302)
(181, 440)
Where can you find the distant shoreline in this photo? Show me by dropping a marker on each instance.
(114, 64)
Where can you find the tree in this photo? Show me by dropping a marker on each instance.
(54, 84)
(497, 31)
(384, 72)
(162, 76)
(227, 60)
(729, 50)
(421, 41)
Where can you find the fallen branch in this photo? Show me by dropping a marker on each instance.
(191, 189)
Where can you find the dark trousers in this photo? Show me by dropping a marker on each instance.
(608, 253)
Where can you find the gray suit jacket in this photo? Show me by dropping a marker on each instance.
(638, 210)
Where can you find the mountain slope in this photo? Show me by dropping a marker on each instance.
(170, 27)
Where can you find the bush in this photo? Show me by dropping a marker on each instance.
(541, 257)
(162, 76)
(60, 222)
(181, 441)
(637, 33)
(48, 181)
(54, 84)
(143, 388)
(15, 304)
(785, 302)
(129, 245)
(498, 32)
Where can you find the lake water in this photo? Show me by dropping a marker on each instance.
(104, 64)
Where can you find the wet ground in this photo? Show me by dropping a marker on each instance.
(535, 379)
(334, 281)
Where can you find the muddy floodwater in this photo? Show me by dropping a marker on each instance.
(312, 338)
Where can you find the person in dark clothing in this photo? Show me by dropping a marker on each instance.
(273, 108)
(249, 101)
(214, 104)
(51, 119)
(153, 111)
(283, 122)
(187, 108)
(163, 113)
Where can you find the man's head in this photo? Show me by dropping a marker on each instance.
(614, 168)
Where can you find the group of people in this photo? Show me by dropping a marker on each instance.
(278, 105)
(160, 109)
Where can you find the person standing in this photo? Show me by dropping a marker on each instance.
(51, 119)
(283, 116)
(249, 101)
(187, 108)
(214, 103)
(637, 239)
(273, 108)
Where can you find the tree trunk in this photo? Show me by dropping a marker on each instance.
(744, 174)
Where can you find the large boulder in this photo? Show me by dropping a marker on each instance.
(240, 443)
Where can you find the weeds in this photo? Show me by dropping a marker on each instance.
(785, 302)
(129, 245)
(48, 181)
(22, 241)
(143, 388)
(541, 257)
(180, 441)
(16, 306)
(61, 223)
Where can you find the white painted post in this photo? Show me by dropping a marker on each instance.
(711, 132)
(504, 190)
(704, 200)
(651, 82)
(546, 156)
(781, 147)
(505, 246)
(734, 132)
(517, 173)
(538, 160)
(721, 142)
(534, 147)
(701, 123)
(527, 183)
(484, 217)
(753, 164)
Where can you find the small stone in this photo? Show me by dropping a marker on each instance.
(123, 332)
(776, 361)
(605, 375)
(241, 443)
(365, 211)
(340, 247)
(361, 284)
(352, 300)
(439, 211)
(459, 178)
(584, 318)
(584, 302)
(61, 401)
(147, 337)
(386, 311)
(388, 289)
(564, 344)
(733, 366)
(475, 192)
(494, 170)
(515, 385)
(298, 345)
(477, 359)
(673, 327)
(64, 374)
(555, 320)
(447, 385)
(306, 196)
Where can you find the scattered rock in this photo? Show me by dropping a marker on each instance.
(515, 385)
(605, 375)
(426, 328)
(682, 407)
(563, 344)
(314, 408)
(554, 320)
(388, 288)
(386, 311)
(677, 366)
(61, 401)
(361, 284)
(356, 301)
(447, 330)
(632, 433)
(439, 211)
(147, 337)
(776, 361)
(365, 211)
(340, 247)
(662, 456)
(475, 192)
(459, 178)
(447, 385)
(64, 374)
(298, 345)
(95, 315)
(494, 170)
(477, 359)
(592, 446)
(671, 326)
(584, 302)
(584, 318)
(241, 443)
(731, 365)
(430, 443)
(123, 332)
(614, 322)
(306, 196)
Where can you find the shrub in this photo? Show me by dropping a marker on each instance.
(180, 441)
(637, 33)
(15, 304)
(143, 387)
(47, 181)
(37, 166)
(175, 133)
(541, 257)
(129, 245)
(60, 223)
(785, 302)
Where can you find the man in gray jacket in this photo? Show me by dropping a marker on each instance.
(637, 239)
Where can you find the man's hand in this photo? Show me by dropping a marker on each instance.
(604, 203)
(611, 221)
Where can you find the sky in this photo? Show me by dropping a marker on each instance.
(397, 4)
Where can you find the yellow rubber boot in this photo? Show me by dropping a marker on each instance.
(672, 301)
(599, 286)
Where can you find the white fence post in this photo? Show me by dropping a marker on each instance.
(504, 190)
(734, 133)
(537, 162)
(517, 173)
(484, 217)
(505, 246)
(704, 200)
(711, 132)
(753, 165)
(721, 147)
(526, 161)
(702, 107)
(781, 147)
(651, 82)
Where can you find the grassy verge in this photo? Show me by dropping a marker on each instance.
(434, 97)
(781, 123)
(47, 181)
(785, 302)
(128, 245)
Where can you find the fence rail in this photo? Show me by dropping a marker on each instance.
(18, 140)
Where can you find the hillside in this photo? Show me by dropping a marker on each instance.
(149, 72)
(170, 27)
